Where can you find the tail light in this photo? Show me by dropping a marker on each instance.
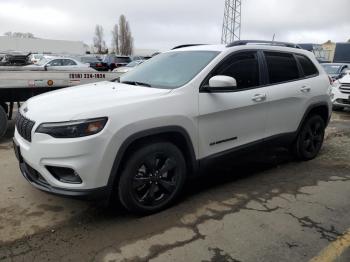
(99, 65)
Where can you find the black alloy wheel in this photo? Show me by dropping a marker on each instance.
(310, 138)
(152, 178)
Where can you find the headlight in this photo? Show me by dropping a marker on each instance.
(72, 129)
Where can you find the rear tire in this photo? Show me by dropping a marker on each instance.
(310, 138)
(152, 178)
(3, 121)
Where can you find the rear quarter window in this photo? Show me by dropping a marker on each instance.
(282, 67)
(308, 67)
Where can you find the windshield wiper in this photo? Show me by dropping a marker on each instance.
(135, 83)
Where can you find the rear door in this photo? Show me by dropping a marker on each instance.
(231, 119)
(289, 90)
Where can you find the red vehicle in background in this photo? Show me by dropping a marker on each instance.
(114, 61)
(94, 63)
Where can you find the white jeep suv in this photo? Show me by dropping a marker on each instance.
(141, 137)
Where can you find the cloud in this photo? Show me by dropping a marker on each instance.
(162, 24)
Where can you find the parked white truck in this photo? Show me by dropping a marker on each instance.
(18, 86)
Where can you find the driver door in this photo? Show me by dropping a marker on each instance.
(233, 118)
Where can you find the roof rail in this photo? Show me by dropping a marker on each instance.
(262, 42)
(182, 46)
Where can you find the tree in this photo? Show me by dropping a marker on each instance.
(19, 35)
(115, 39)
(126, 41)
(99, 43)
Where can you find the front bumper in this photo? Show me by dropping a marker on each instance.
(36, 180)
(86, 156)
(340, 99)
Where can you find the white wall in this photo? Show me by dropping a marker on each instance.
(38, 45)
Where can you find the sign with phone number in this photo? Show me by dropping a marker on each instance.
(87, 76)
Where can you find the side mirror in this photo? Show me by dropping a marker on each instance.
(221, 83)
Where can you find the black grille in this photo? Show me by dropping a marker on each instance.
(345, 88)
(24, 127)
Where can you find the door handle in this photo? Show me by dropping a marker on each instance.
(259, 97)
(305, 89)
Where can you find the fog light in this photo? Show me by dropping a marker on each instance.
(65, 175)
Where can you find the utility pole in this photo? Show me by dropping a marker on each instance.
(231, 28)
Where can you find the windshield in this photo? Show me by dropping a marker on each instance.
(170, 70)
(332, 69)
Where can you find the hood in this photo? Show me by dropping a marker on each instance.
(345, 79)
(92, 100)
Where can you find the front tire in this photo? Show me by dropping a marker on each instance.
(152, 178)
(3, 121)
(310, 138)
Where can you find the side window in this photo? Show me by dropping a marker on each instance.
(244, 67)
(308, 67)
(56, 62)
(282, 67)
(68, 62)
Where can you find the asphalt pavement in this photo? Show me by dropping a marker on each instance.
(261, 207)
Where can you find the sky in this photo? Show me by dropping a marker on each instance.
(162, 24)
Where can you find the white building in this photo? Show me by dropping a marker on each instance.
(38, 45)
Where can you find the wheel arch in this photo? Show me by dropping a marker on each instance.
(321, 109)
(3, 118)
(174, 134)
(4, 106)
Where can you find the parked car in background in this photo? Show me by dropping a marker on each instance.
(114, 61)
(59, 64)
(15, 59)
(336, 70)
(93, 62)
(128, 67)
(341, 92)
(35, 58)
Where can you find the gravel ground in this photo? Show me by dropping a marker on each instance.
(264, 207)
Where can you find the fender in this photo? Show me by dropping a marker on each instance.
(309, 109)
(147, 133)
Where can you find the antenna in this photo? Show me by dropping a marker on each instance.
(231, 28)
